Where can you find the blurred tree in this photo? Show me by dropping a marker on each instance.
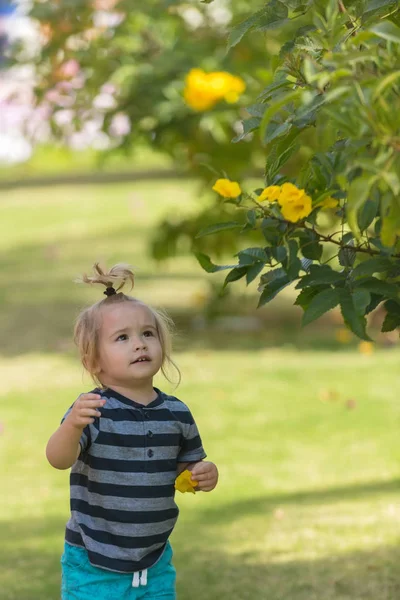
(324, 121)
(139, 74)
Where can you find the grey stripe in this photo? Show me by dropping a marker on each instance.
(126, 453)
(131, 554)
(126, 529)
(118, 478)
(116, 503)
(139, 427)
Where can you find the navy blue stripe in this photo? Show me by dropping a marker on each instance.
(139, 441)
(114, 564)
(193, 444)
(124, 541)
(123, 516)
(160, 415)
(123, 491)
(129, 466)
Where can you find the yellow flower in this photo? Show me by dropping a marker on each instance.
(366, 347)
(289, 193)
(343, 335)
(295, 204)
(329, 203)
(203, 90)
(270, 193)
(184, 483)
(227, 188)
(235, 89)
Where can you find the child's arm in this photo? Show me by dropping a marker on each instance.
(63, 447)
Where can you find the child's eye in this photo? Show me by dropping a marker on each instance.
(122, 337)
(148, 333)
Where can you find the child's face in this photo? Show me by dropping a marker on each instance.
(128, 332)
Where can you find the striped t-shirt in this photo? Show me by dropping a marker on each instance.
(123, 483)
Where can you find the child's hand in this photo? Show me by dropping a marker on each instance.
(206, 473)
(84, 410)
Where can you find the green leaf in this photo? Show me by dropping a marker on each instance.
(217, 227)
(386, 82)
(357, 195)
(253, 254)
(390, 323)
(274, 108)
(388, 31)
(376, 299)
(249, 125)
(320, 304)
(256, 110)
(367, 213)
(361, 299)
(377, 264)
(392, 319)
(235, 274)
(321, 275)
(353, 319)
(293, 265)
(251, 217)
(377, 286)
(275, 130)
(209, 266)
(254, 270)
(305, 297)
(240, 30)
(271, 288)
(275, 13)
(271, 15)
(377, 4)
(310, 246)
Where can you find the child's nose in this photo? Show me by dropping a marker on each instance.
(140, 343)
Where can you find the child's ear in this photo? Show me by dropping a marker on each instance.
(91, 367)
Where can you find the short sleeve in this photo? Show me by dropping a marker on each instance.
(89, 433)
(191, 446)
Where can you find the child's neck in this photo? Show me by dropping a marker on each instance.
(143, 393)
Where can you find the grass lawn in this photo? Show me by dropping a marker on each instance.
(305, 436)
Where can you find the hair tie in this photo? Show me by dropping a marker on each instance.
(109, 291)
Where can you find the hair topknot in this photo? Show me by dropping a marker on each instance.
(119, 274)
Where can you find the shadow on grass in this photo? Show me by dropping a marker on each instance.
(30, 557)
(267, 504)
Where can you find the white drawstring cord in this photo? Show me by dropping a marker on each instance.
(142, 580)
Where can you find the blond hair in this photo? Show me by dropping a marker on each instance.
(87, 325)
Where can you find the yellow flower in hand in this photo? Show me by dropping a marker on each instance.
(227, 188)
(270, 193)
(184, 483)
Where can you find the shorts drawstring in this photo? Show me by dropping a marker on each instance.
(138, 580)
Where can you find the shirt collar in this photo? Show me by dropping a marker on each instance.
(110, 393)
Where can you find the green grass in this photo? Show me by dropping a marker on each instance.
(307, 506)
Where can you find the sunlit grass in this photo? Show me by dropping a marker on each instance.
(306, 440)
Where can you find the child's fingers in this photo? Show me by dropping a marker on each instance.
(205, 480)
(200, 469)
(91, 403)
(89, 397)
(203, 472)
(89, 412)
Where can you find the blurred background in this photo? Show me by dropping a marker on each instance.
(108, 152)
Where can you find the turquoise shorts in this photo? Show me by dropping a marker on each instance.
(83, 581)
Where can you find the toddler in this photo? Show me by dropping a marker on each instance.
(126, 442)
